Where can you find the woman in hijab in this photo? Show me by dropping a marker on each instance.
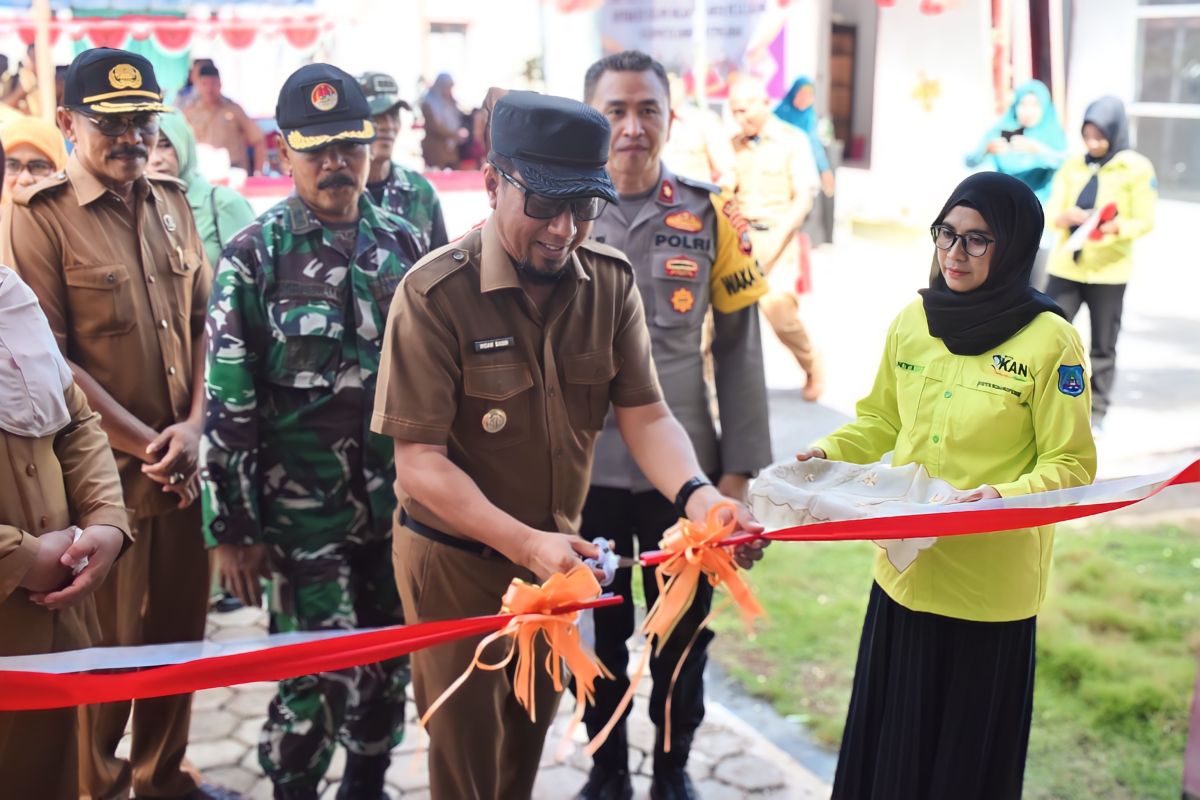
(220, 211)
(34, 149)
(796, 109)
(982, 383)
(1027, 142)
(60, 503)
(1111, 191)
(444, 125)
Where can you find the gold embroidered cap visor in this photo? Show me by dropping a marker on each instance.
(314, 137)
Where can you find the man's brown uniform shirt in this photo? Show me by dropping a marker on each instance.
(517, 397)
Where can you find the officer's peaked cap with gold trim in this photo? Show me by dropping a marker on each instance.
(319, 105)
(107, 81)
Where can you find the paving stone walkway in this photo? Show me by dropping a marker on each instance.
(729, 759)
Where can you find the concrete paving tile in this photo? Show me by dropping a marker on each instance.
(749, 773)
(558, 782)
(250, 702)
(248, 731)
(237, 633)
(210, 699)
(210, 755)
(211, 725)
(235, 778)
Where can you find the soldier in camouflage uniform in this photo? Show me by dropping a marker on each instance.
(298, 488)
(391, 186)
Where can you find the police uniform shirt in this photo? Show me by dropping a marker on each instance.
(517, 397)
(1016, 417)
(689, 251)
(125, 293)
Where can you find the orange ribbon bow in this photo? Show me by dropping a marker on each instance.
(537, 610)
(695, 550)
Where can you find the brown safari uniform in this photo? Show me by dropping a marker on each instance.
(49, 480)
(126, 294)
(225, 126)
(518, 399)
(773, 169)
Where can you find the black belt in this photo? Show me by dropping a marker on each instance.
(434, 535)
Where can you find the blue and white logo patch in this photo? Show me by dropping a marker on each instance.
(1070, 380)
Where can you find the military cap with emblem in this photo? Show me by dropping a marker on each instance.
(560, 146)
(382, 91)
(319, 105)
(107, 81)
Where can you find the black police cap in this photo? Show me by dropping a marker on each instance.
(560, 146)
(319, 105)
(107, 81)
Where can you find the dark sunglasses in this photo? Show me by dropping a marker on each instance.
(115, 126)
(539, 206)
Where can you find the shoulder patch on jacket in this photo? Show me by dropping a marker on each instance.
(606, 250)
(167, 180)
(434, 268)
(711, 188)
(56, 181)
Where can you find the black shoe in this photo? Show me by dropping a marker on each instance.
(673, 784)
(604, 784)
(226, 604)
(363, 778)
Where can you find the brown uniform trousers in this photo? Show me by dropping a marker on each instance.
(48, 484)
(125, 291)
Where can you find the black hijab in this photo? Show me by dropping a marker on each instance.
(1107, 114)
(970, 323)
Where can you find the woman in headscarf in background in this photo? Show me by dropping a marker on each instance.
(1114, 189)
(444, 125)
(982, 383)
(1027, 142)
(33, 150)
(220, 211)
(797, 109)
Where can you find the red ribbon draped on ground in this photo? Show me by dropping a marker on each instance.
(27, 690)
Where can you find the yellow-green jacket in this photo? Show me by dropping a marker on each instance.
(1016, 417)
(1127, 180)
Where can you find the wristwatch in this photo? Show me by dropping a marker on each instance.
(686, 491)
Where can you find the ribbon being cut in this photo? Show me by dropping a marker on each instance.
(797, 501)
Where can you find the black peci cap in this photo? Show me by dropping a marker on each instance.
(383, 94)
(560, 146)
(107, 81)
(320, 104)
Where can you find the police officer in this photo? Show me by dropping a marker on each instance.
(297, 487)
(113, 254)
(503, 355)
(690, 252)
(399, 190)
(776, 182)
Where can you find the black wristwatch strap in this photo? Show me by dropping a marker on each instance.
(686, 491)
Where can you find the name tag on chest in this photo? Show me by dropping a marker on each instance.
(492, 345)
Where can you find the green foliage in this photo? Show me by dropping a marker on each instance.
(1117, 645)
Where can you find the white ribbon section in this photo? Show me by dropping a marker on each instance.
(157, 655)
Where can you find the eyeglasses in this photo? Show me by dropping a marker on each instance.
(37, 168)
(539, 206)
(115, 125)
(975, 244)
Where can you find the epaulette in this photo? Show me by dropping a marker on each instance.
(711, 188)
(169, 180)
(436, 266)
(55, 181)
(607, 250)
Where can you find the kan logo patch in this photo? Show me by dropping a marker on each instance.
(682, 267)
(1070, 380)
(1009, 366)
(684, 221)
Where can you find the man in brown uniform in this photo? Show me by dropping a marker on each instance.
(502, 355)
(220, 122)
(115, 260)
(776, 182)
(56, 473)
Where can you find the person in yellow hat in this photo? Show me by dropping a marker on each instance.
(33, 149)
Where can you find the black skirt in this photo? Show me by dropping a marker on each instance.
(940, 708)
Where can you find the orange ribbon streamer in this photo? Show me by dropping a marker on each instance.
(538, 611)
(692, 550)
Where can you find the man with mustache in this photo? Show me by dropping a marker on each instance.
(503, 354)
(119, 269)
(297, 489)
(399, 190)
(690, 251)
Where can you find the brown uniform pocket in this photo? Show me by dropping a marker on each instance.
(497, 405)
(587, 378)
(100, 298)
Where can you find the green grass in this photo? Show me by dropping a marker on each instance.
(1117, 644)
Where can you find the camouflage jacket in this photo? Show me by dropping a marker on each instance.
(295, 331)
(408, 194)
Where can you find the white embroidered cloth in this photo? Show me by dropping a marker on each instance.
(805, 492)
